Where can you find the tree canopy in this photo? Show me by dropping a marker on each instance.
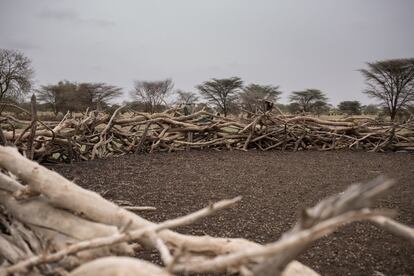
(391, 82)
(222, 93)
(71, 96)
(253, 96)
(16, 74)
(370, 109)
(308, 99)
(186, 97)
(152, 93)
(350, 107)
(98, 95)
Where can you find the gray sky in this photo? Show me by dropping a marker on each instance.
(296, 44)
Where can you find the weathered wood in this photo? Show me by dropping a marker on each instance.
(33, 126)
(3, 140)
(97, 135)
(66, 226)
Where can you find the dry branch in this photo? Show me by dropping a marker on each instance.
(121, 266)
(97, 135)
(52, 225)
(139, 208)
(120, 237)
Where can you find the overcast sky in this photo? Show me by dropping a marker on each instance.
(296, 44)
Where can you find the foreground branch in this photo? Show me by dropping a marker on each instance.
(40, 209)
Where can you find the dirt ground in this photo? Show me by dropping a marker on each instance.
(274, 186)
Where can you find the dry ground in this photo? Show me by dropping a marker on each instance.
(274, 186)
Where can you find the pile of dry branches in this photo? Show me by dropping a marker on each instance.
(49, 225)
(97, 135)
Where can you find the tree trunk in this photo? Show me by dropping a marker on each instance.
(393, 113)
(30, 145)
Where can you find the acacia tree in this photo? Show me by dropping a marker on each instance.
(186, 97)
(308, 99)
(370, 109)
(222, 93)
(253, 96)
(49, 94)
(96, 95)
(71, 96)
(321, 107)
(350, 107)
(152, 93)
(391, 82)
(61, 96)
(15, 73)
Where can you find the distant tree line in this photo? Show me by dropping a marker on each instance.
(390, 82)
(67, 95)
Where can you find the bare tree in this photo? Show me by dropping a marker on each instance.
(152, 93)
(308, 99)
(186, 97)
(15, 73)
(392, 82)
(254, 95)
(221, 92)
